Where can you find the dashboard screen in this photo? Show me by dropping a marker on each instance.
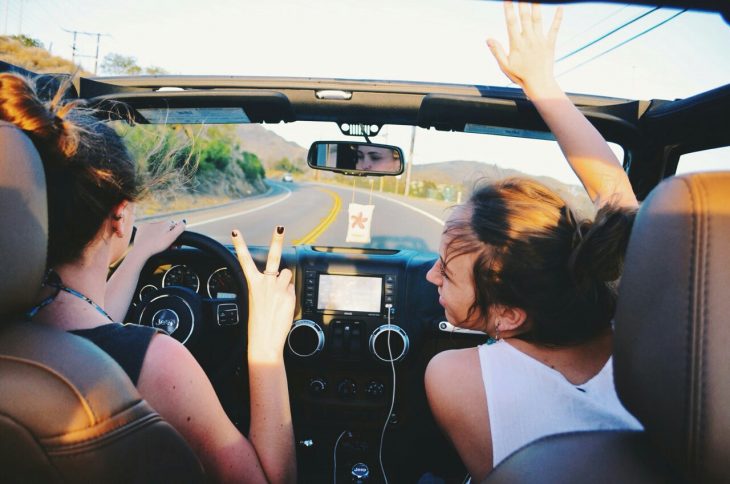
(349, 293)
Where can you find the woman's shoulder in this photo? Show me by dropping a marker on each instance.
(452, 359)
(171, 371)
(456, 396)
(452, 376)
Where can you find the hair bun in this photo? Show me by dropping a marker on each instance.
(44, 123)
(599, 246)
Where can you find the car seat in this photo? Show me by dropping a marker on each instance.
(68, 412)
(671, 355)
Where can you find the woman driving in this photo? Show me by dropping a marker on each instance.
(517, 264)
(92, 190)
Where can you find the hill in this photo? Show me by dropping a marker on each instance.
(468, 173)
(22, 52)
(269, 146)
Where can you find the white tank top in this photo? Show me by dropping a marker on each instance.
(527, 400)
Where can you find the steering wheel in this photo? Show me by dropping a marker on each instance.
(213, 329)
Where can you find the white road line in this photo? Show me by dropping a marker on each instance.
(422, 212)
(244, 212)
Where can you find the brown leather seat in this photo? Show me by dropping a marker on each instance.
(671, 356)
(68, 412)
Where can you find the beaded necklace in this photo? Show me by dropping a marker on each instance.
(52, 279)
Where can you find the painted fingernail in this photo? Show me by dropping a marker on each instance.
(184, 221)
(234, 233)
(279, 229)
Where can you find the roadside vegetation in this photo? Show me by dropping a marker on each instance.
(31, 54)
(192, 166)
(185, 166)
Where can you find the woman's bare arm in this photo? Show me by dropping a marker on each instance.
(529, 64)
(151, 239)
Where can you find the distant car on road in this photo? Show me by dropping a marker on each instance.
(287, 178)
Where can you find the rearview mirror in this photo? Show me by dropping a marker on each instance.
(357, 159)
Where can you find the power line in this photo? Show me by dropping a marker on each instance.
(644, 32)
(596, 24)
(622, 26)
(611, 32)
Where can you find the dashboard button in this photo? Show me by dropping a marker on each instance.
(374, 389)
(317, 386)
(346, 389)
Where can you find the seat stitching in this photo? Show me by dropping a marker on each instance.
(84, 402)
(72, 450)
(689, 400)
(707, 216)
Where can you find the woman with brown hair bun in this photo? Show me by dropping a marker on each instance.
(92, 189)
(517, 264)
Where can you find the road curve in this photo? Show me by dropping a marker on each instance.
(318, 214)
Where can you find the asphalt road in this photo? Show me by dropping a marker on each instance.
(317, 214)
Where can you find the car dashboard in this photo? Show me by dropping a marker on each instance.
(365, 326)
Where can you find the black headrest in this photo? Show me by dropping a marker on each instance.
(672, 346)
(23, 220)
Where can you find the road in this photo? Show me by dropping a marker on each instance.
(317, 214)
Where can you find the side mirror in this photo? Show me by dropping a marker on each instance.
(358, 159)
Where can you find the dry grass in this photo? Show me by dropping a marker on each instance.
(35, 59)
(151, 206)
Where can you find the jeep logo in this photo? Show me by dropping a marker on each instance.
(166, 320)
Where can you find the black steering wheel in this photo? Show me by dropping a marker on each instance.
(213, 329)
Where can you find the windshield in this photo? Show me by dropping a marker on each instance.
(256, 176)
(636, 52)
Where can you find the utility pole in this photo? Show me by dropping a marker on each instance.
(74, 55)
(20, 19)
(96, 56)
(409, 162)
(7, 8)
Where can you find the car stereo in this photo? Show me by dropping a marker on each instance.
(326, 293)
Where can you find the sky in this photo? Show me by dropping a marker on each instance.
(421, 40)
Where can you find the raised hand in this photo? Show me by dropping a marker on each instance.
(271, 300)
(529, 62)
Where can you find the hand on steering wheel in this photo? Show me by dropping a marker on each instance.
(152, 238)
(271, 300)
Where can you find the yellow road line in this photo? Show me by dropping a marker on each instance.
(311, 237)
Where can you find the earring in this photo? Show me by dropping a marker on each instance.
(490, 340)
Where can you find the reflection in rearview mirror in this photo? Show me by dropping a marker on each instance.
(356, 158)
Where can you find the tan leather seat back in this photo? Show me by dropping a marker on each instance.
(23, 220)
(68, 412)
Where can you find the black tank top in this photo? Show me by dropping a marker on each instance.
(126, 343)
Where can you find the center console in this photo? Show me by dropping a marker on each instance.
(343, 352)
(350, 314)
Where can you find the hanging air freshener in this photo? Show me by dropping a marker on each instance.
(360, 221)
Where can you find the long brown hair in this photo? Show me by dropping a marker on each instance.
(534, 254)
(88, 168)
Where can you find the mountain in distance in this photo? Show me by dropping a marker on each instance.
(269, 146)
(467, 174)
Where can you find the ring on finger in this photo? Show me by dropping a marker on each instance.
(271, 273)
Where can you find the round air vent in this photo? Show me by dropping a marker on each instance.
(398, 343)
(305, 338)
